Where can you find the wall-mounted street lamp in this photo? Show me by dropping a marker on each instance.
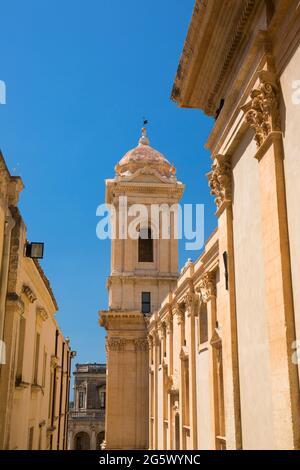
(34, 250)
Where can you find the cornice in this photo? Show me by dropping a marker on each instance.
(115, 188)
(46, 282)
(105, 316)
(208, 43)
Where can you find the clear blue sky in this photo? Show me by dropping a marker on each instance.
(80, 75)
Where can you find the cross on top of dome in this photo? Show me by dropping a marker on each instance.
(146, 160)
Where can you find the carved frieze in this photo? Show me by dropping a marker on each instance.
(141, 344)
(219, 179)
(115, 344)
(119, 344)
(262, 112)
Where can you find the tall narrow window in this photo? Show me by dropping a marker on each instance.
(145, 246)
(102, 399)
(44, 369)
(81, 399)
(146, 302)
(36, 358)
(203, 325)
(21, 349)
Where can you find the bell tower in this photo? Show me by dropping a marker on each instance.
(143, 197)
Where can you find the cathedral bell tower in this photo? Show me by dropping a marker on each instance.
(144, 268)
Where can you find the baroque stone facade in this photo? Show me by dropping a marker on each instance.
(247, 377)
(34, 355)
(87, 415)
(223, 359)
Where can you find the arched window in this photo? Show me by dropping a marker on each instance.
(145, 246)
(82, 441)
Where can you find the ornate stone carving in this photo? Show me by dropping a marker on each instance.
(219, 179)
(115, 344)
(141, 344)
(172, 385)
(54, 363)
(262, 112)
(207, 286)
(191, 301)
(29, 293)
(179, 312)
(169, 323)
(14, 303)
(41, 312)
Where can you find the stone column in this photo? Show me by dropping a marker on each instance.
(220, 182)
(207, 289)
(169, 331)
(180, 314)
(93, 439)
(277, 266)
(151, 390)
(155, 424)
(191, 301)
(71, 439)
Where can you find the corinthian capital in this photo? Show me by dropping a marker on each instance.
(169, 322)
(178, 310)
(207, 286)
(219, 179)
(262, 112)
(191, 301)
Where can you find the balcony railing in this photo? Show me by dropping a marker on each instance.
(87, 414)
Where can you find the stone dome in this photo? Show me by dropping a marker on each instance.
(144, 159)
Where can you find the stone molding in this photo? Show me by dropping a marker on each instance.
(262, 112)
(14, 302)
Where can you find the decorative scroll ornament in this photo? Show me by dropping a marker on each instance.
(115, 344)
(219, 179)
(207, 286)
(262, 112)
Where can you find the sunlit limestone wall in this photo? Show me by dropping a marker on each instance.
(290, 112)
(250, 307)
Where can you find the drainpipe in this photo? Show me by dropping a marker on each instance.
(9, 225)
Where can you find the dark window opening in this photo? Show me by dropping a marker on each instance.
(203, 324)
(146, 302)
(145, 246)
